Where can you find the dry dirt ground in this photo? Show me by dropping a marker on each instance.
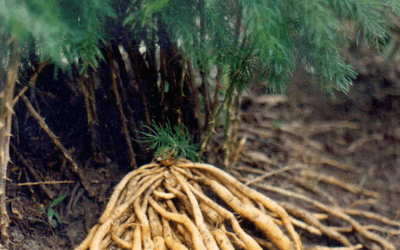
(354, 138)
(330, 140)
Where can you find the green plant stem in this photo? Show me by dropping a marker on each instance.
(230, 97)
(213, 124)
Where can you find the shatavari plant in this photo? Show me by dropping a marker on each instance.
(172, 60)
(170, 141)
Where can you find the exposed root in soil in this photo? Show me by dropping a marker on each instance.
(56, 141)
(178, 204)
(308, 168)
(162, 206)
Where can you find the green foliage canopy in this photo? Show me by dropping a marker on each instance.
(241, 38)
(271, 37)
(69, 30)
(275, 36)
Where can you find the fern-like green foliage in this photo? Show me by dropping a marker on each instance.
(64, 31)
(275, 36)
(269, 37)
(240, 36)
(170, 140)
(243, 38)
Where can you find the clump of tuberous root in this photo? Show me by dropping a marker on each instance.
(177, 204)
(163, 205)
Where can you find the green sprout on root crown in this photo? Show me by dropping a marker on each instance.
(170, 141)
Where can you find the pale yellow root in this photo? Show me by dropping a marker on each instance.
(334, 181)
(210, 213)
(184, 199)
(159, 243)
(148, 193)
(306, 227)
(185, 172)
(175, 191)
(134, 184)
(274, 172)
(144, 224)
(169, 180)
(106, 242)
(118, 212)
(128, 236)
(137, 239)
(118, 189)
(208, 238)
(243, 198)
(181, 229)
(155, 223)
(126, 218)
(198, 243)
(359, 246)
(261, 207)
(223, 241)
(388, 231)
(310, 220)
(182, 237)
(248, 241)
(262, 221)
(310, 187)
(337, 212)
(236, 240)
(253, 194)
(127, 224)
(156, 230)
(240, 196)
(120, 242)
(132, 187)
(169, 241)
(237, 153)
(299, 224)
(163, 195)
(138, 182)
(320, 216)
(137, 190)
(347, 229)
(371, 215)
(86, 243)
(123, 195)
(265, 243)
(370, 201)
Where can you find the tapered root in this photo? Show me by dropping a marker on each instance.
(169, 207)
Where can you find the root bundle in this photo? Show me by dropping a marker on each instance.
(180, 205)
(164, 205)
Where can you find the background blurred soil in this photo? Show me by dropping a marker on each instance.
(360, 130)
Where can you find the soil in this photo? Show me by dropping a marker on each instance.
(353, 137)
